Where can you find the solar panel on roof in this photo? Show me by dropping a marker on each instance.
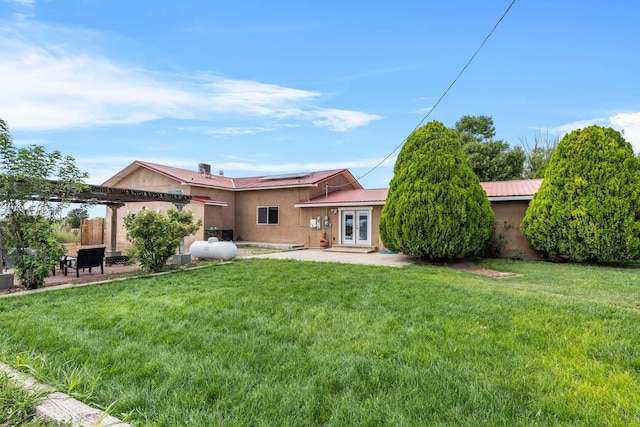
(286, 176)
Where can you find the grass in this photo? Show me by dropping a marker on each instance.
(67, 235)
(278, 342)
(18, 406)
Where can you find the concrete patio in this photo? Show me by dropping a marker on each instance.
(349, 257)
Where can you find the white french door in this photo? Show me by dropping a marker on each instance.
(356, 227)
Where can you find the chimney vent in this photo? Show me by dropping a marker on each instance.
(204, 169)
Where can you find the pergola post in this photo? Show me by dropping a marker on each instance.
(114, 229)
(181, 258)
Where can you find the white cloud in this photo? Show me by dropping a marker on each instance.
(238, 130)
(628, 123)
(49, 85)
(296, 167)
(233, 131)
(579, 124)
(30, 141)
(341, 120)
(29, 3)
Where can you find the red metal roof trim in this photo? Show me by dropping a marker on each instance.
(208, 201)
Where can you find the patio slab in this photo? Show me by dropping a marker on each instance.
(323, 255)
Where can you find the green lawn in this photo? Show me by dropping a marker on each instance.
(18, 406)
(268, 342)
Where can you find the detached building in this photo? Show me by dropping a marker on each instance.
(311, 209)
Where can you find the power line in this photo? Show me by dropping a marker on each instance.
(444, 94)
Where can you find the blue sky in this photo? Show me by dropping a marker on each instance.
(265, 87)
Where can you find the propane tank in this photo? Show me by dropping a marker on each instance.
(213, 249)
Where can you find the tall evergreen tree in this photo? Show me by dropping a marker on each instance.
(588, 206)
(435, 207)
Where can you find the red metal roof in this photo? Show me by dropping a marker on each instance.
(523, 188)
(189, 177)
(292, 180)
(376, 196)
(496, 191)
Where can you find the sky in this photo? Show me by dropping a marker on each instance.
(263, 87)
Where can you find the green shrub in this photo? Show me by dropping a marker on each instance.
(155, 236)
(37, 185)
(37, 252)
(494, 246)
(588, 206)
(435, 207)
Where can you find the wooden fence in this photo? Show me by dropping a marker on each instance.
(92, 232)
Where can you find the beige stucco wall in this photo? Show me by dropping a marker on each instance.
(293, 225)
(291, 222)
(375, 225)
(220, 217)
(508, 216)
(144, 179)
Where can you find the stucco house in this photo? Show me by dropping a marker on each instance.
(312, 209)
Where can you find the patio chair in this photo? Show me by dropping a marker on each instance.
(7, 263)
(86, 258)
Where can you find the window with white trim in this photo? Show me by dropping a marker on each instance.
(268, 215)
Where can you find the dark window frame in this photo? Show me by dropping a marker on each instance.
(268, 215)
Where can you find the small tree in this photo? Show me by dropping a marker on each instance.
(36, 186)
(155, 237)
(75, 216)
(588, 206)
(435, 207)
(538, 152)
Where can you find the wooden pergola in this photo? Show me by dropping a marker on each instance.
(115, 198)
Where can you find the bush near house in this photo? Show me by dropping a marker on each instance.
(435, 207)
(588, 207)
(155, 236)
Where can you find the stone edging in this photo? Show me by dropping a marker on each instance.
(59, 407)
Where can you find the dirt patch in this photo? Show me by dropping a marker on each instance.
(482, 271)
(476, 269)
